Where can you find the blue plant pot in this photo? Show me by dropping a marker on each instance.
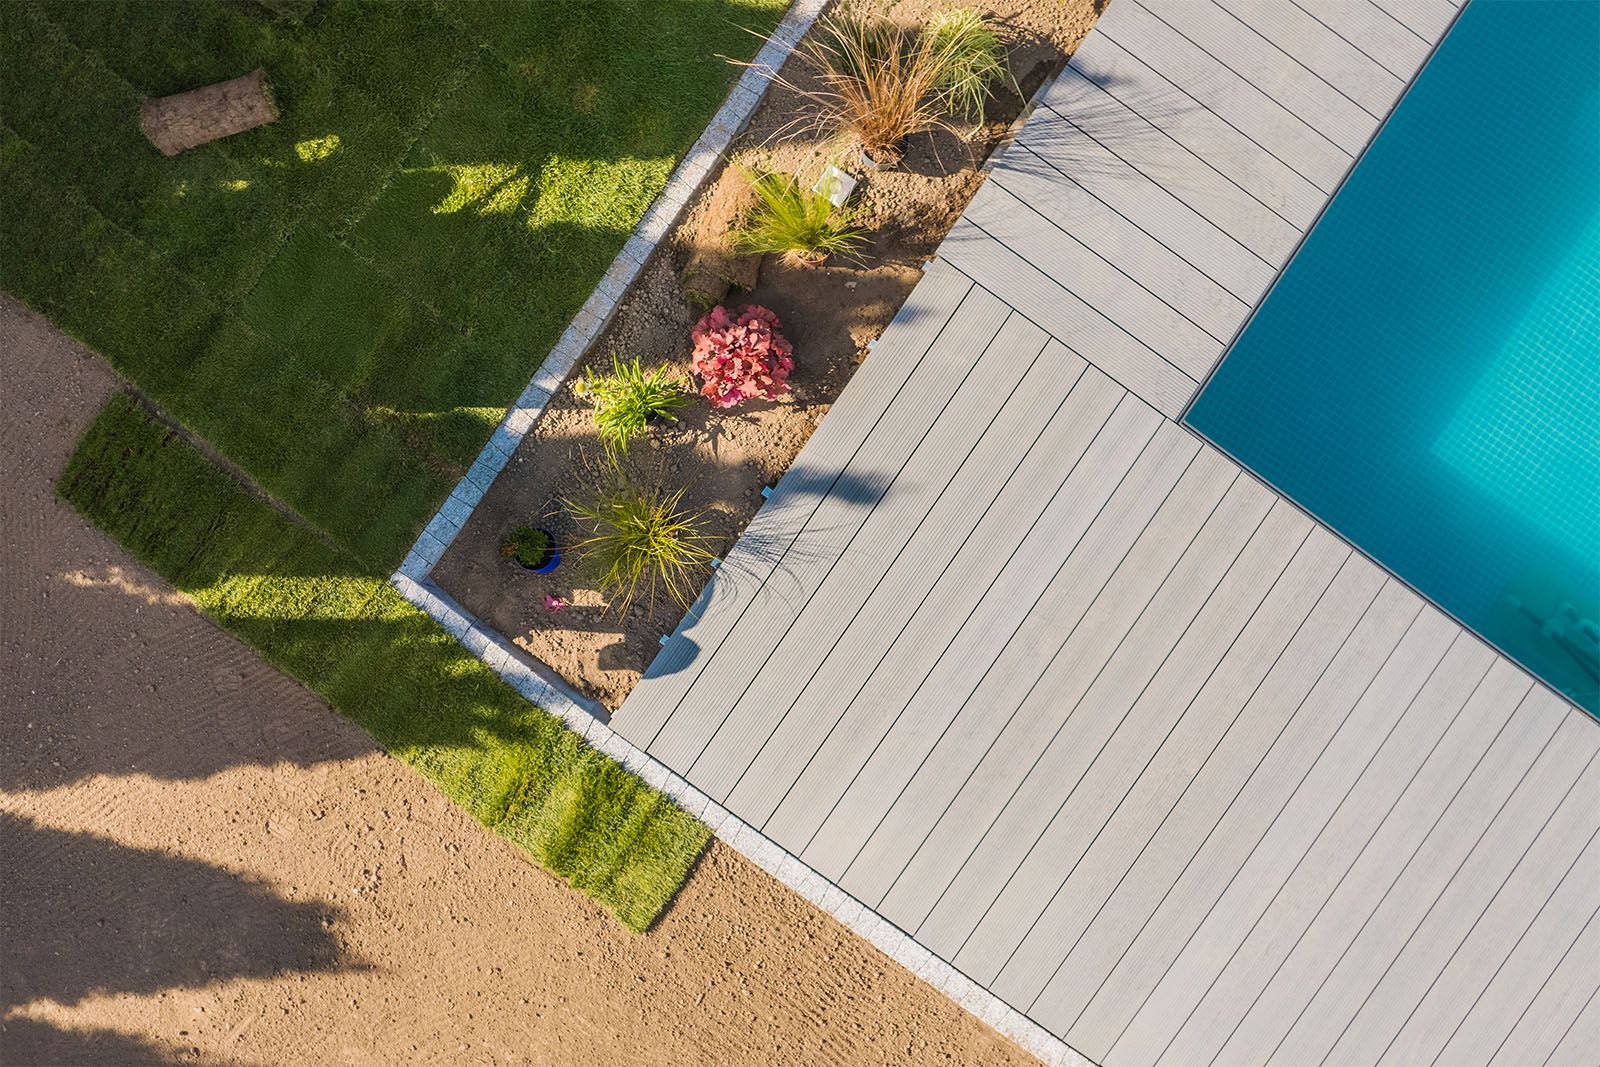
(550, 563)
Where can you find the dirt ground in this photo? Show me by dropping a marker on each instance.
(724, 458)
(200, 862)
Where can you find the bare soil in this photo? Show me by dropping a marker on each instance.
(724, 458)
(201, 863)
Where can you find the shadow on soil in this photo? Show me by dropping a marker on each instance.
(85, 916)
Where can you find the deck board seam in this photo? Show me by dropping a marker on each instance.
(1177, 720)
(1022, 456)
(1510, 872)
(971, 367)
(1023, 700)
(1126, 396)
(1296, 60)
(1523, 1014)
(999, 183)
(1341, 149)
(1133, 703)
(1228, 808)
(994, 416)
(1267, 907)
(1208, 109)
(1400, 874)
(1177, 801)
(1312, 15)
(749, 600)
(1400, 794)
(1001, 171)
(1122, 479)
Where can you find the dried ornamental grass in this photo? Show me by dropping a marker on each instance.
(879, 84)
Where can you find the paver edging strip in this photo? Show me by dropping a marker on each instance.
(597, 312)
(545, 688)
(540, 685)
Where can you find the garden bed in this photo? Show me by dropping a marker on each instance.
(723, 458)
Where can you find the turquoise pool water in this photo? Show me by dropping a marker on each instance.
(1425, 376)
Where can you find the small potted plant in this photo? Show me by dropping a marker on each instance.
(532, 548)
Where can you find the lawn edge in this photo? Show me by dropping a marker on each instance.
(596, 313)
(128, 448)
(541, 686)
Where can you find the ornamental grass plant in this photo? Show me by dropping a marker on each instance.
(628, 398)
(879, 84)
(973, 60)
(798, 222)
(640, 537)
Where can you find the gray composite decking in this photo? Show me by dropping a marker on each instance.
(1055, 687)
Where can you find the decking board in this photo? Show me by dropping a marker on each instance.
(1334, 58)
(1282, 563)
(1290, 137)
(1366, 27)
(889, 521)
(858, 788)
(842, 723)
(1320, 590)
(1151, 107)
(1038, 677)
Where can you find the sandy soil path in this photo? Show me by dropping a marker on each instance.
(199, 862)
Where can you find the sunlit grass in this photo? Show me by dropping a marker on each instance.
(343, 303)
(444, 188)
(314, 612)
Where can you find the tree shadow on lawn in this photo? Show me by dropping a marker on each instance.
(86, 916)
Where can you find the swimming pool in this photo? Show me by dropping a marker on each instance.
(1424, 377)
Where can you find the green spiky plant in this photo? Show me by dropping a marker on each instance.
(970, 58)
(640, 537)
(798, 222)
(628, 397)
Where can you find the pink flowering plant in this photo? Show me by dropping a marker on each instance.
(741, 357)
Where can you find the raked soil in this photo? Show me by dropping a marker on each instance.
(201, 863)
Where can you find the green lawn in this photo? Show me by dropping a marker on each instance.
(317, 613)
(344, 303)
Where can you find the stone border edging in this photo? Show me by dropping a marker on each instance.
(543, 687)
(536, 682)
(598, 310)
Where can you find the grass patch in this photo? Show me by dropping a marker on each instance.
(317, 613)
(344, 301)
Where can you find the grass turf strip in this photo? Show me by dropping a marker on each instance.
(315, 612)
(345, 302)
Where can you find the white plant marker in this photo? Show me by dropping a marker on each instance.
(834, 184)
